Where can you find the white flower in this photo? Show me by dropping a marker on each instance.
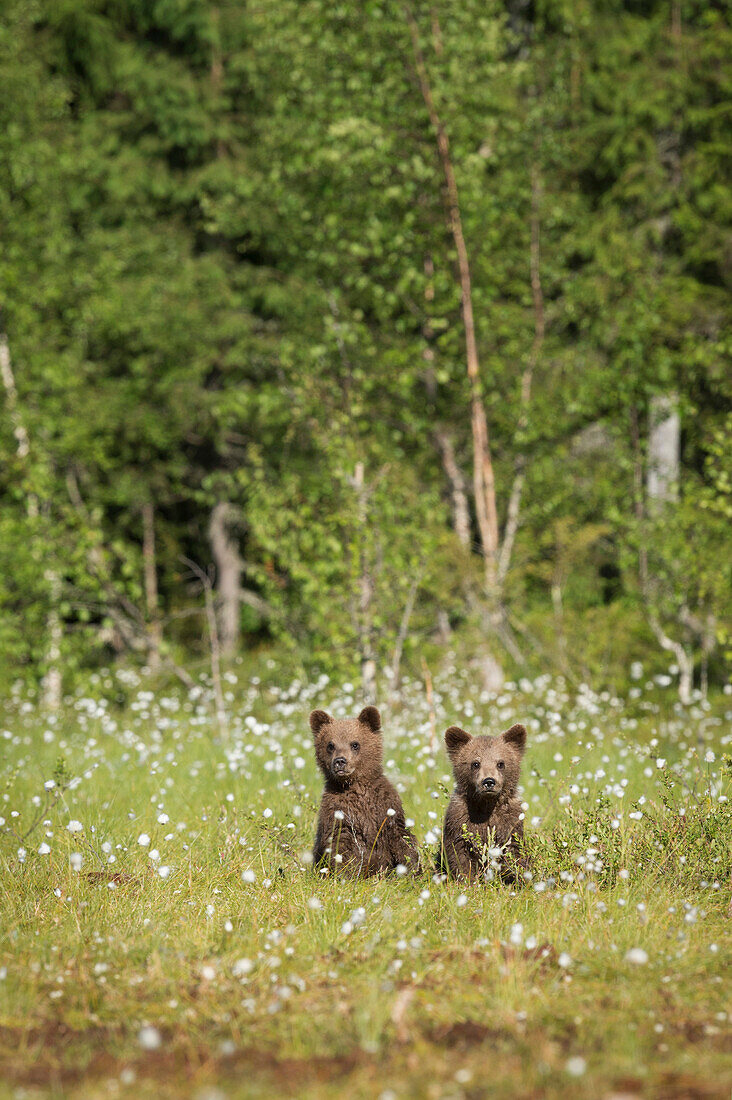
(517, 934)
(576, 1066)
(76, 859)
(163, 819)
(709, 756)
(267, 812)
(346, 928)
(315, 903)
(149, 1038)
(637, 956)
(462, 900)
(75, 827)
(564, 960)
(49, 784)
(143, 840)
(248, 876)
(338, 815)
(660, 762)
(164, 871)
(44, 849)
(242, 967)
(390, 812)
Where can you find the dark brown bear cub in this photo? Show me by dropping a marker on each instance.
(361, 826)
(484, 811)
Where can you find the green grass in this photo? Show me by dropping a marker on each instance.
(291, 985)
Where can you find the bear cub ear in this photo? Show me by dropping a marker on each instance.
(455, 738)
(318, 719)
(516, 736)
(370, 717)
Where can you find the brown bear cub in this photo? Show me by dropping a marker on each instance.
(361, 827)
(484, 812)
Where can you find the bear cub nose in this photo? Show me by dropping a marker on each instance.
(489, 784)
(339, 764)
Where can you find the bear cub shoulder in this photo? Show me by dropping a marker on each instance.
(484, 810)
(361, 827)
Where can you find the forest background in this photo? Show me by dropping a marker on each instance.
(359, 331)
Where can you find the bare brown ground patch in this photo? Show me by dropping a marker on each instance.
(57, 1055)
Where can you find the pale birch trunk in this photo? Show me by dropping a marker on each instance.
(151, 585)
(228, 578)
(52, 683)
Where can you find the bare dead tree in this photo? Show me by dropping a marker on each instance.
(214, 646)
(228, 577)
(683, 658)
(458, 488)
(427, 676)
(403, 631)
(483, 476)
(366, 588)
(496, 550)
(129, 621)
(151, 584)
(537, 295)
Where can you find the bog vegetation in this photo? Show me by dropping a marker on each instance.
(164, 933)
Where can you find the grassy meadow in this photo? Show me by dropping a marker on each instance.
(162, 934)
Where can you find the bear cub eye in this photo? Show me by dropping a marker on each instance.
(330, 746)
(501, 765)
(355, 745)
(475, 764)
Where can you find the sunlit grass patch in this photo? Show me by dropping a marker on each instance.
(162, 927)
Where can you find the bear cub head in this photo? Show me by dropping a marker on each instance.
(486, 767)
(348, 750)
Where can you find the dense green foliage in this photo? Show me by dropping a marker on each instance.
(226, 276)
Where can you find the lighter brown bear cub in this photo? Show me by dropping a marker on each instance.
(361, 827)
(484, 811)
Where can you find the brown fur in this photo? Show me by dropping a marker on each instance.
(367, 837)
(484, 804)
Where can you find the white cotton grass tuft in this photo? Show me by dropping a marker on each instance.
(637, 956)
(75, 827)
(149, 1038)
(576, 1066)
(248, 876)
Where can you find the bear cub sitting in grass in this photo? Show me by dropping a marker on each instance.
(361, 827)
(484, 811)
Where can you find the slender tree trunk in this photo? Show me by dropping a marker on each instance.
(458, 488)
(151, 584)
(52, 681)
(483, 476)
(537, 296)
(663, 449)
(214, 646)
(228, 575)
(365, 583)
(403, 633)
